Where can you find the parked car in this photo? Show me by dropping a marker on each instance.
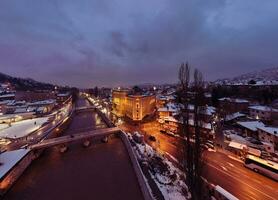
(170, 133)
(104, 140)
(204, 146)
(209, 145)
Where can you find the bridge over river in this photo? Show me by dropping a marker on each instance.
(100, 171)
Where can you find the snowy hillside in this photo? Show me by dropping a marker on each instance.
(24, 84)
(263, 77)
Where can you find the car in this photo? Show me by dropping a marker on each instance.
(210, 142)
(204, 146)
(209, 145)
(170, 133)
(152, 138)
(104, 140)
(160, 121)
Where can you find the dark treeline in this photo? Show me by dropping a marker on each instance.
(262, 94)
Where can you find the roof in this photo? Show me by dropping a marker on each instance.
(10, 116)
(263, 108)
(6, 102)
(271, 130)
(63, 94)
(208, 95)
(170, 107)
(9, 159)
(237, 145)
(208, 110)
(43, 102)
(251, 125)
(191, 122)
(20, 110)
(234, 116)
(7, 95)
(237, 100)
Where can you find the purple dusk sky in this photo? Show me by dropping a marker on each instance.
(115, 42)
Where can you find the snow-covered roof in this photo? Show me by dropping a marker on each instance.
(6, 102)
(208, 95)
(251, 125)
(160, 97)
(190, 107)
(237, 145)
(237, 100)
(172, 119)
(40, 109)
(21, 110)
(208, 110)
(234, 116)
(23, 128)
(202, 124)
(271, 130)
(263, 108)
(9, 159)
(170, 107)
(171, 97)
(241, 100)
(43, 102)
(7, 95)
(10, 116)
(63, 94)
(191, 122)
(14, 103)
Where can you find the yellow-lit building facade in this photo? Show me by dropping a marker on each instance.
(135, 107)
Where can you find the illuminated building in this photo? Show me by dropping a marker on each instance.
(133, 106)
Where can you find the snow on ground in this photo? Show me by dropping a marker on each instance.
(171, 190)
(22, 128)
(169, 179)
(3, 126)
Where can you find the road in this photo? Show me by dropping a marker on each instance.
(221, 168)
(228, 172)
(101, 171)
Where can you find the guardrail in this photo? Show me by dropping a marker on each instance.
(146, 191)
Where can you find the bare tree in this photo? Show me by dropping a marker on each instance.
(183, 100)
(193, 162)
(199, 109)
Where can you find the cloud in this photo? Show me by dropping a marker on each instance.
(84, 43)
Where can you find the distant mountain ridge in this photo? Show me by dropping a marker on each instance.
(263, 77)
(25, 83)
